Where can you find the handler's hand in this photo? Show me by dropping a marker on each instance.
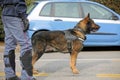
(26, 24)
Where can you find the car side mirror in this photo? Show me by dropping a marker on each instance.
(115, 17)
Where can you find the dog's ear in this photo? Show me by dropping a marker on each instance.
(88, 16)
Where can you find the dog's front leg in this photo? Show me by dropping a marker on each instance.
(74, 55)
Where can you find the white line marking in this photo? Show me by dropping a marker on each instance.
(114, 59)
(80, 59)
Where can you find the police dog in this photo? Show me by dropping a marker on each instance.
(70, 41)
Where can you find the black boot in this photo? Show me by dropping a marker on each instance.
(12, 64)
(13, 78)
(26, 60)
(11, 58)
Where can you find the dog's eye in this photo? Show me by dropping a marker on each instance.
(89, 23)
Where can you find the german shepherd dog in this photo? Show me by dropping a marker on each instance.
(70, 41)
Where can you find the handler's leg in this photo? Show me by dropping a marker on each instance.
(25, 51)
(25, 45)
(9, 53)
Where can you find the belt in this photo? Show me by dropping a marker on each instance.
(9, 5)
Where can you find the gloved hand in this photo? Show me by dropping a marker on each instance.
(21, 9)
(26, 24)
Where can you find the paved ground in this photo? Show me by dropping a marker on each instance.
(93, 65)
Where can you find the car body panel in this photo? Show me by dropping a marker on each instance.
(107, 35)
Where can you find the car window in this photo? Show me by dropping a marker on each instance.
(66, 10)
(96, 11)
(61, 9)
(31, 7)
(46, 10)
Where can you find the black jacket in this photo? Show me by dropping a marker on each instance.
(14, 8)
(1, 3)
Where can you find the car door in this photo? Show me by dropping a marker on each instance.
(109, 32)
(54, 16)
(62, 15)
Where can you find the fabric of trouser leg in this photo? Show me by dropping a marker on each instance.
(14, 30)
(10, 45)
(25, 76)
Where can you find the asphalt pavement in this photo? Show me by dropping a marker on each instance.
(93, 65)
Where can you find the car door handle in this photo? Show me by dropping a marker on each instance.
(58, 20)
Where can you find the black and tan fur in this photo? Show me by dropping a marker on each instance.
(58, 40)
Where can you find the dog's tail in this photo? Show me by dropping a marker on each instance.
(39, 31)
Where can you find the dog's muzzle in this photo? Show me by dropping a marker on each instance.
(95, 28)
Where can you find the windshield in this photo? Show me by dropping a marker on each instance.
(31, 7)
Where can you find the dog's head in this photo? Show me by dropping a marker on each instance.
(88, 25)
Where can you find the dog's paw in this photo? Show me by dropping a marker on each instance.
(75, 71)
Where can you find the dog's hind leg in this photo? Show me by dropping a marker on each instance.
(74, 55)
(36, 56)
(38, 52)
